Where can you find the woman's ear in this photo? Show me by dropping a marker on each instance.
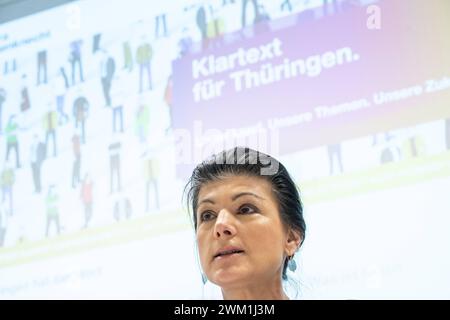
(293, 241)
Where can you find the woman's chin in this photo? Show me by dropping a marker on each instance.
(229, 278)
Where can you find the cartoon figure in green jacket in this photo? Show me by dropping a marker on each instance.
(144, 56)
(51, 202)
(12, 141)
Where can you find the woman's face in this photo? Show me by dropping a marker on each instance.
(240, 234)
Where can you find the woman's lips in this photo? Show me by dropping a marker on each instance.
(227, 250)
(228, 256)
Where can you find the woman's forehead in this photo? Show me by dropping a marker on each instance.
(229, 186)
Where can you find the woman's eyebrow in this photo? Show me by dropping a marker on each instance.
(236, 196)
(206, 200)
(241, 194)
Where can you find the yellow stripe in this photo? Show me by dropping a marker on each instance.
(385, 176)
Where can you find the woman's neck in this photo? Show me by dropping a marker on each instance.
(257, 292)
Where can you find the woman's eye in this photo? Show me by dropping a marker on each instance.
(246, 209)
(205, 216)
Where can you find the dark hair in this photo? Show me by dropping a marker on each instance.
(240, 161)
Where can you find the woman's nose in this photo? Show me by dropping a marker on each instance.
(224, 226)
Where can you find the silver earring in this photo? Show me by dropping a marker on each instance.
(292, 265)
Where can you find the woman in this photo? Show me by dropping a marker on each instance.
(249, 223)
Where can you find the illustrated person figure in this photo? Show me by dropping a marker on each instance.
(60, 90)
(244, 11)
(114, 163)
(117, 110)
(142, 122)
(127, 56)
(202, 23)
(160, 20)
(12, 141)
(96, 42)
(151, 182)
(215, 29)
(76, 147)
(143, 59)
(50, 123)
(390, 151)
(80, 113)
(334, 152)
(2, 100)
(413, 144)
(107, 67)
(24, 96)
(7, 182)
(168, 99)
(62, 71)
(41, 66)
(87, 199)
(38, 154)
(122, 208)
(75, 59)
(185, 43)
(248, 221)
(387, 137)
(51, 202)
(286, 4)
(7, 64)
